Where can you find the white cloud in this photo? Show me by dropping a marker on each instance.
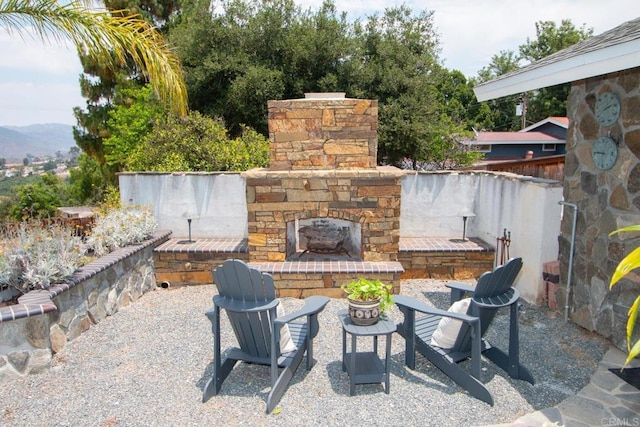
(472, 32)
(39, 83)
(30, 103)
(36, 56)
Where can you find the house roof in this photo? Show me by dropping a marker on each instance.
(614, 50)
(514, 138)
(562, 122)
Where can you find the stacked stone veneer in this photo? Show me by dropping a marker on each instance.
(606, 200)
(370, 197)
(45, 320)
(323, 134)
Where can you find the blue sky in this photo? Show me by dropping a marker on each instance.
(39, 83)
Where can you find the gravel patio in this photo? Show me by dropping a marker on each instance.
(147, 365)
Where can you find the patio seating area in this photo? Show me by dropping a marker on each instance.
(148, 365)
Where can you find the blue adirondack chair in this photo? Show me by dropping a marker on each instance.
(248, 296)
(494, 290)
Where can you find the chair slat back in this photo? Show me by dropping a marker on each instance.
(491, 284)
(235, 280)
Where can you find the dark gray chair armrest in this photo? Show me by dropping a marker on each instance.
(458, 290)
(312, 305)
(413, 304)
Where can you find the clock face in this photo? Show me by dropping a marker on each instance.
(604, 153)
(607, 108)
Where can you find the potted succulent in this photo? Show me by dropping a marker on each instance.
(368, 299)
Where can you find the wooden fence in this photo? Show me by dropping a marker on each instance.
(549, 167)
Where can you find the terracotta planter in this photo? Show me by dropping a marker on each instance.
(364, 313)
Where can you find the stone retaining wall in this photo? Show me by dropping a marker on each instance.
(45, 320)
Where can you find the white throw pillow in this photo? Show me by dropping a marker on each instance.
(286, 343)
(447, 331)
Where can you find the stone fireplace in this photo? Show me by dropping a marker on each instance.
(324, 200)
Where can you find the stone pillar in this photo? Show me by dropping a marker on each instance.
(606, 200)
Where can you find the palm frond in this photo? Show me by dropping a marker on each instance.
(109, 38)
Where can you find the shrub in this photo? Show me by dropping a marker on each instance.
(119, 228)
(198, 143)
(35, 257)
(39, 199)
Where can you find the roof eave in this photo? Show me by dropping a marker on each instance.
(607, 60)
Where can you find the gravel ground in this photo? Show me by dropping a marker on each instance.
(147, 365)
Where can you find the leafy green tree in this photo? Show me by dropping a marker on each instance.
(551, 38)
(198, 143)
(99, 83)
(74, 152)
(130, 121)
(39, 199)
(252, 51)
(421, 104)
(49, 166)
(86, 183)
(499, 114)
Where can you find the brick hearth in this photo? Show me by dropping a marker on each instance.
(436, 258)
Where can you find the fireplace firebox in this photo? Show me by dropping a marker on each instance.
(325, 239)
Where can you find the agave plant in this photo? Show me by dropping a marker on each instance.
(630, 262)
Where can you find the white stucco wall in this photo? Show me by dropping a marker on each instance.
(529, 209)
(215, 202)
(433, 203)
(432, 206)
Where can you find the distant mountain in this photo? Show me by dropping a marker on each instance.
(39, 140)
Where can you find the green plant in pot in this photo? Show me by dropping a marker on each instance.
(368, 300)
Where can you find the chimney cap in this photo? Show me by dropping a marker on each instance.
(325, 95)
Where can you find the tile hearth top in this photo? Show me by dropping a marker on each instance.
(443, 244)
(328, 267)
(407, 244)
(222, 245)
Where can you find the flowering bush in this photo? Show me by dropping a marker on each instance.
(119, 228)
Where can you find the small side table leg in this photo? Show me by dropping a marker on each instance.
(375, 344)
(344, 350)
(352, 367)
(387, 365)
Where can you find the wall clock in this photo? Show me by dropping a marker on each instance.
(604, 153)
(607, 108)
